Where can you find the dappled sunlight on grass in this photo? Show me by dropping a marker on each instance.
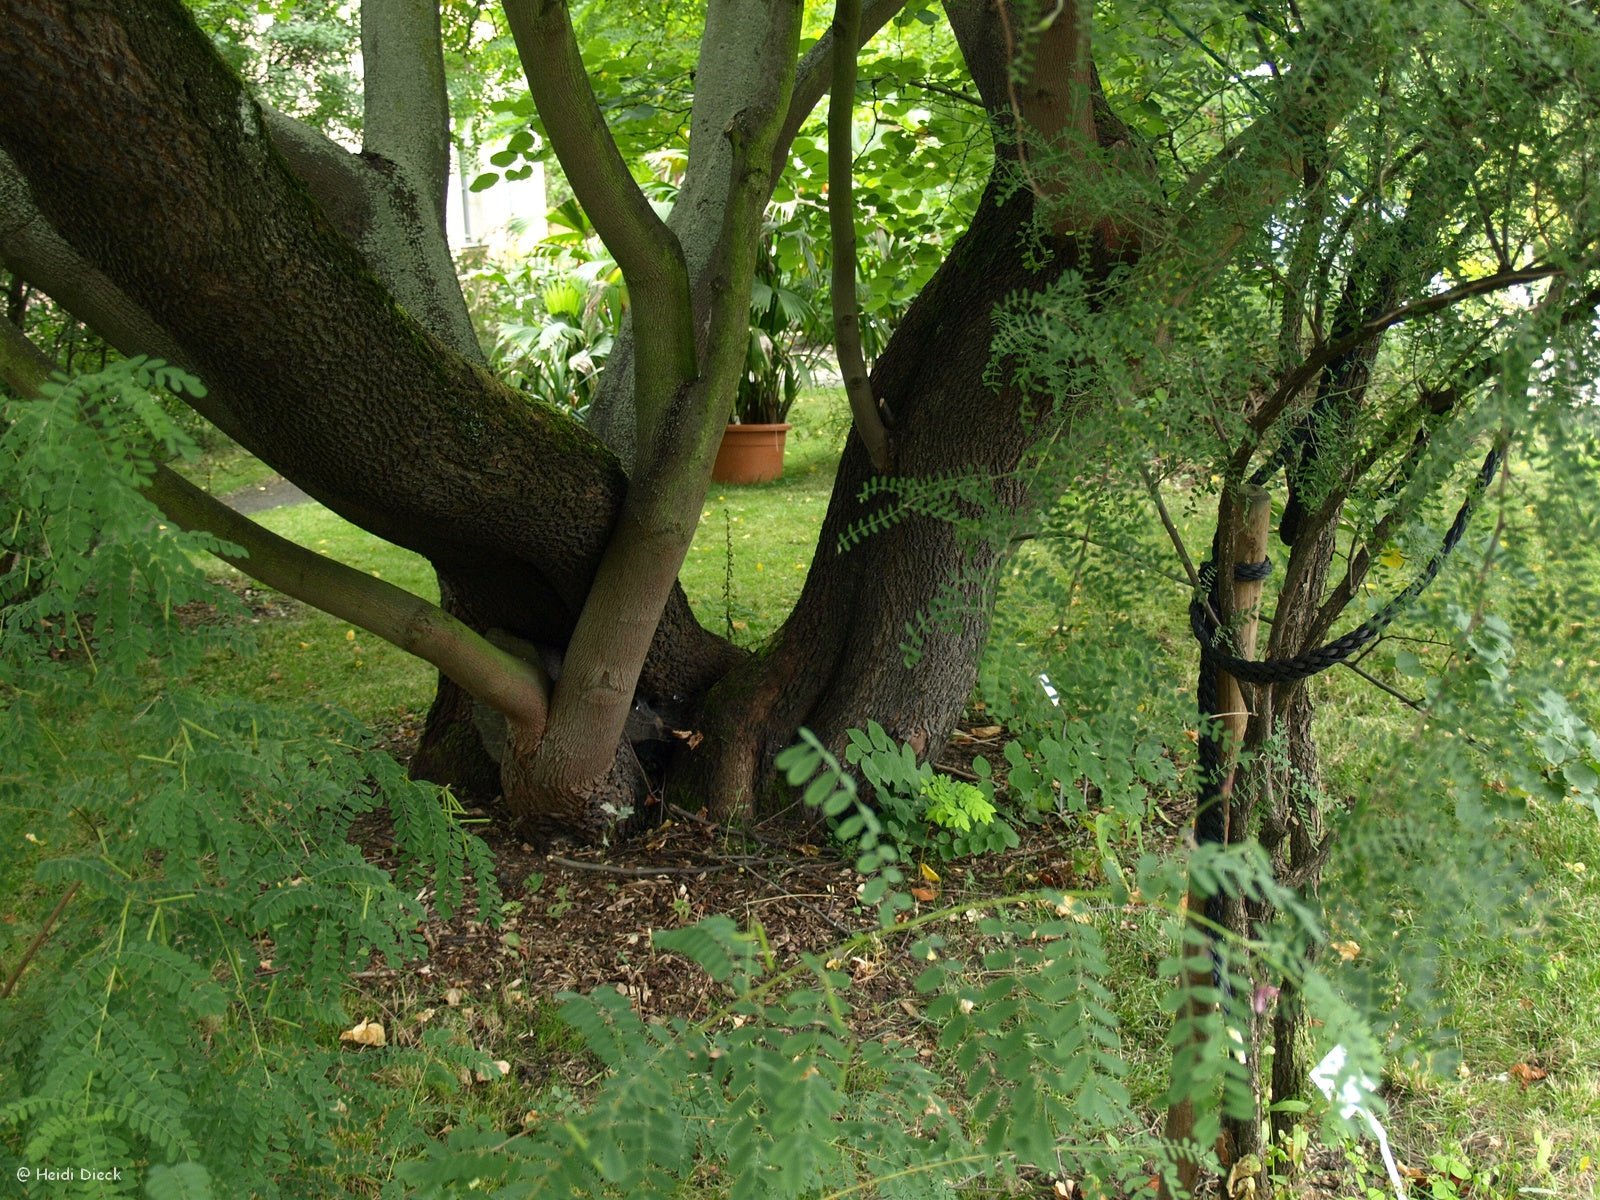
(754, 545)
(305, 654)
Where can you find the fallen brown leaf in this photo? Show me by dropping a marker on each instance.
(1525, 1074)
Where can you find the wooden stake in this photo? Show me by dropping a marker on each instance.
(1241, 612)
(1247, 523)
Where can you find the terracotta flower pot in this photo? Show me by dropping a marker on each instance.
(750, 454)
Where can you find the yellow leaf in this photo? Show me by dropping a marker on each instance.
(1392, 558)
(1347, 951)
(929, 873)
(367, 1033)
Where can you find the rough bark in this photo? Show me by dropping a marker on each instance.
(318, 371)
(1299, 857)
(143, 154)
(834, 664)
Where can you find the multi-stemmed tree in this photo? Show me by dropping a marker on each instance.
(144, 189)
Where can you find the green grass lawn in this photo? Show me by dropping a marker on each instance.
(226, 468)
(754, 545)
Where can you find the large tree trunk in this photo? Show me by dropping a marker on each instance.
(140, 151)
(836, 662)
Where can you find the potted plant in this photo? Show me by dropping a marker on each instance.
(752, 445)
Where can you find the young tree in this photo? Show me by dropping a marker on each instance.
(144, 189)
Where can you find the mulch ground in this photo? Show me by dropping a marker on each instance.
(582, 918)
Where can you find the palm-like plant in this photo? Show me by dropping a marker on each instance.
(783, 324)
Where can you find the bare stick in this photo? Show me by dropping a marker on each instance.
(38, 940)
(842, 223)
(1384, 687)
(1177, 542)
(573, 864)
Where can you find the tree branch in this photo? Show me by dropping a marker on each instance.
(651, 258)
(1053, 103)
(814, 76)
(1296, 381)
(1154, 488)
(31, 247)
(1261, 165)
(501, 680)
(381, 211)
(662, 503)
(405, 107)
(842, 224)
(1472, 376)
(259, 295)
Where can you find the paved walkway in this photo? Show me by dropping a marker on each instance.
(276, 492)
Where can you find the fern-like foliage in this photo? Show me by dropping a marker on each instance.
(1022, 1068)
(178, 1032)
(958, 497)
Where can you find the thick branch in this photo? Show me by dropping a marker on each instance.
(388, 214)
(503, 681)
(662, 504)
(724, 76)
(842, 221)
(23, 366)
(1052, 107)
(648, 252)
(142, 152)
(33, 249)
(405, 107)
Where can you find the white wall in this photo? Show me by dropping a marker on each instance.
(481, 218)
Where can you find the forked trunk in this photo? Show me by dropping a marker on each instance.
(837, 661)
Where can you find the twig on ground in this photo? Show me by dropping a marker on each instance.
(838, 927)
(637, 872)
(731, 830)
